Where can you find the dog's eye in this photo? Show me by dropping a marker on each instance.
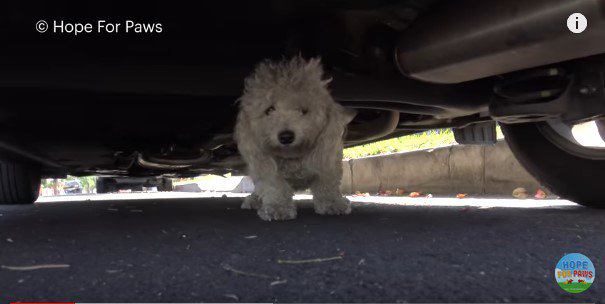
(304, 111)
(269, 110)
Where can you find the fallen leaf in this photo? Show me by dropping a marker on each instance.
(540, 194)
(520, 193)
(415, 194)
(400, 191)
(357, 193)
(461, 195)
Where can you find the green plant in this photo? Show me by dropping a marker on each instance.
(424, 140)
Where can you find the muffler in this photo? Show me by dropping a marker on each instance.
(471, 39)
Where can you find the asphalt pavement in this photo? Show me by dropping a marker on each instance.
(178, 248)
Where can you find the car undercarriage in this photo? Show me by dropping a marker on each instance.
(165, 103)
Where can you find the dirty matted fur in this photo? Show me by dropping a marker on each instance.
(289, 101)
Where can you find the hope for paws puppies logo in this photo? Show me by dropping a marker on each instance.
(575, 272)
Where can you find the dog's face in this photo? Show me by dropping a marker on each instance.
(288, 123)
(288, 106)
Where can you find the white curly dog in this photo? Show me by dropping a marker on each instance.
(290, 133)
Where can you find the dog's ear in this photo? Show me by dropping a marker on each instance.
(331, 139)
(348, 114)
(344, 115)
(316, 68)
(313, 69)
(313, 63)
(238, 102)
(325, 82)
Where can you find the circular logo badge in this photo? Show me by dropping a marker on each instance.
(575, 272)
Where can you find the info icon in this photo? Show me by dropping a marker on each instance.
(577, 23)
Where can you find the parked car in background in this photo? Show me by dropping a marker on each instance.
(72, 187)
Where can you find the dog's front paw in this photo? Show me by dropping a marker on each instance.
(252, 201)
(277, 212)
(332, 206)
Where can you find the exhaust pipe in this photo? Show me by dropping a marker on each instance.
(471, 39)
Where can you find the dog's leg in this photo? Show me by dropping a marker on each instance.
(327, 198)
(252, 201)
(277, 204)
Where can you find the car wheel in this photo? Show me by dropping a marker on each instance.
(106, 185)
(19, 183)
(166, 185)
(549, 151)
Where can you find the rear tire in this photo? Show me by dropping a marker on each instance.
(19, 183)
(572, 177)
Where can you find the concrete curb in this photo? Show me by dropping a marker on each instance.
(236, 184)
(481, 170)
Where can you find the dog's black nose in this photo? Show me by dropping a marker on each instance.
(286, 137)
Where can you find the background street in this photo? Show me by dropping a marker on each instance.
(173, 247)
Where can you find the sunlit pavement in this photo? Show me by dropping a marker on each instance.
(196, 247)
(482, 202)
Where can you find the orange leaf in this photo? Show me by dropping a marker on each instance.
(415, 194)
(358, 193)
(461, 195)
(540, 194)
